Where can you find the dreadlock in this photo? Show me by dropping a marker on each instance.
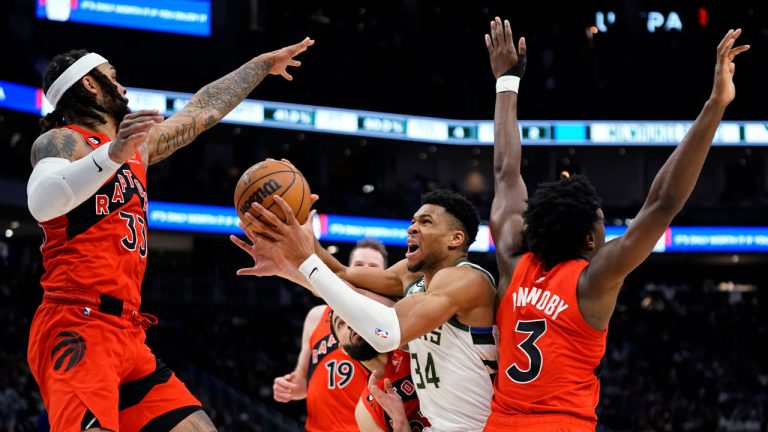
(559, 217)
(76, 101)
(460, 208)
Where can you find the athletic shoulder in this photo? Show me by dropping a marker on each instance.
(464, 278)
(60, 143)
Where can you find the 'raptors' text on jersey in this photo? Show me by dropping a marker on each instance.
(100, 246)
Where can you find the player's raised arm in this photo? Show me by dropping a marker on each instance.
(509, 200)
(599, 285)
(214, 101)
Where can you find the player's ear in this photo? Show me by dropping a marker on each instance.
(457, 239)
(590, 244)
(90, 84)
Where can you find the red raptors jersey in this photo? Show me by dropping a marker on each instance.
(398, 370)
(334, 382)
(101, 245)
(549, 357)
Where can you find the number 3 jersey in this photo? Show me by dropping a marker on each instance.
(101, 245)
(549, 356)
(334, 382)
(453, 367)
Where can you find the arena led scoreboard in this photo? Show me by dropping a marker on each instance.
(187, 17)
(401, 127)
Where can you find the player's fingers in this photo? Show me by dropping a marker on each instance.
(494, 42)
(521, 46)
(738, 50)
(286, 75)
(499, 29)
(508, 33)
(290, 218)
(269, 218)
(239, 243)
(140, 113)
(388, 385)
(722, 42)
(295, 63)
(310, 217)
(314, 198)
(251, 271)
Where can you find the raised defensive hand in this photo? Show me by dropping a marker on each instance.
(133, 133)
(723, 90)
(501, 49)
(283, 58)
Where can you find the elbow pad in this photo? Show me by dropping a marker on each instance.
(57, 185)
(376, 323)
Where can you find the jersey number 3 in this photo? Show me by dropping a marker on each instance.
(535, 330)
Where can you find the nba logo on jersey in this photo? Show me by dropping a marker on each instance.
(381, 333)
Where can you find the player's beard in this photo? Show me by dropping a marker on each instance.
(360, 351)
(116, 105)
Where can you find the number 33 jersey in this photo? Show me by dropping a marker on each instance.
(549, 356)
(101, 245)
(453, 367)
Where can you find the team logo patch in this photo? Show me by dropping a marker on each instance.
(70, 349)
(94, 140)
(381, 333)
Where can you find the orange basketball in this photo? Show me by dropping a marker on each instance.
(266, 179)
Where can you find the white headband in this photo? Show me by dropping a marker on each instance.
(70, 76)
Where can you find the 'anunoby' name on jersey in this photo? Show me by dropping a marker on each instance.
(101, 245)
(550, 358)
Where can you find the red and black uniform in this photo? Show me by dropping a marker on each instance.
(398, 370)
(550, 358)
(86, 347)
(334, 382)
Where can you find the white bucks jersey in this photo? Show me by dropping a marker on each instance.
(453, 367)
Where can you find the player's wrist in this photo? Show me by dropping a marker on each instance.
(509, 81)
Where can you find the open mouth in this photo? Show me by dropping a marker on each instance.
(412, 249)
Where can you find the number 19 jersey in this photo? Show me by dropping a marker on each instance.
(549, 356)
(100, 246)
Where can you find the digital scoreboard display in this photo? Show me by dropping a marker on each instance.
(187, 17)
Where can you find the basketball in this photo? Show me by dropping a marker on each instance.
(268, 178)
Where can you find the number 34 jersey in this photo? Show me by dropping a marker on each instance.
(100, 246)
(453, 368)
(549, 356)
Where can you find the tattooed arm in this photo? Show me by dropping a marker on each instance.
(59, 143)
(214, 101)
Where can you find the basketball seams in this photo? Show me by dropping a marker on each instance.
(247, 191)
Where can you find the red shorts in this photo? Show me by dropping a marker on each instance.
(538, 423)
(94, 370)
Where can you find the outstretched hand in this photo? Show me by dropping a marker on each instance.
(267, 260)
(724, 91)
(389, 400)
(292, 242)
(283, 58)
(501, 48)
